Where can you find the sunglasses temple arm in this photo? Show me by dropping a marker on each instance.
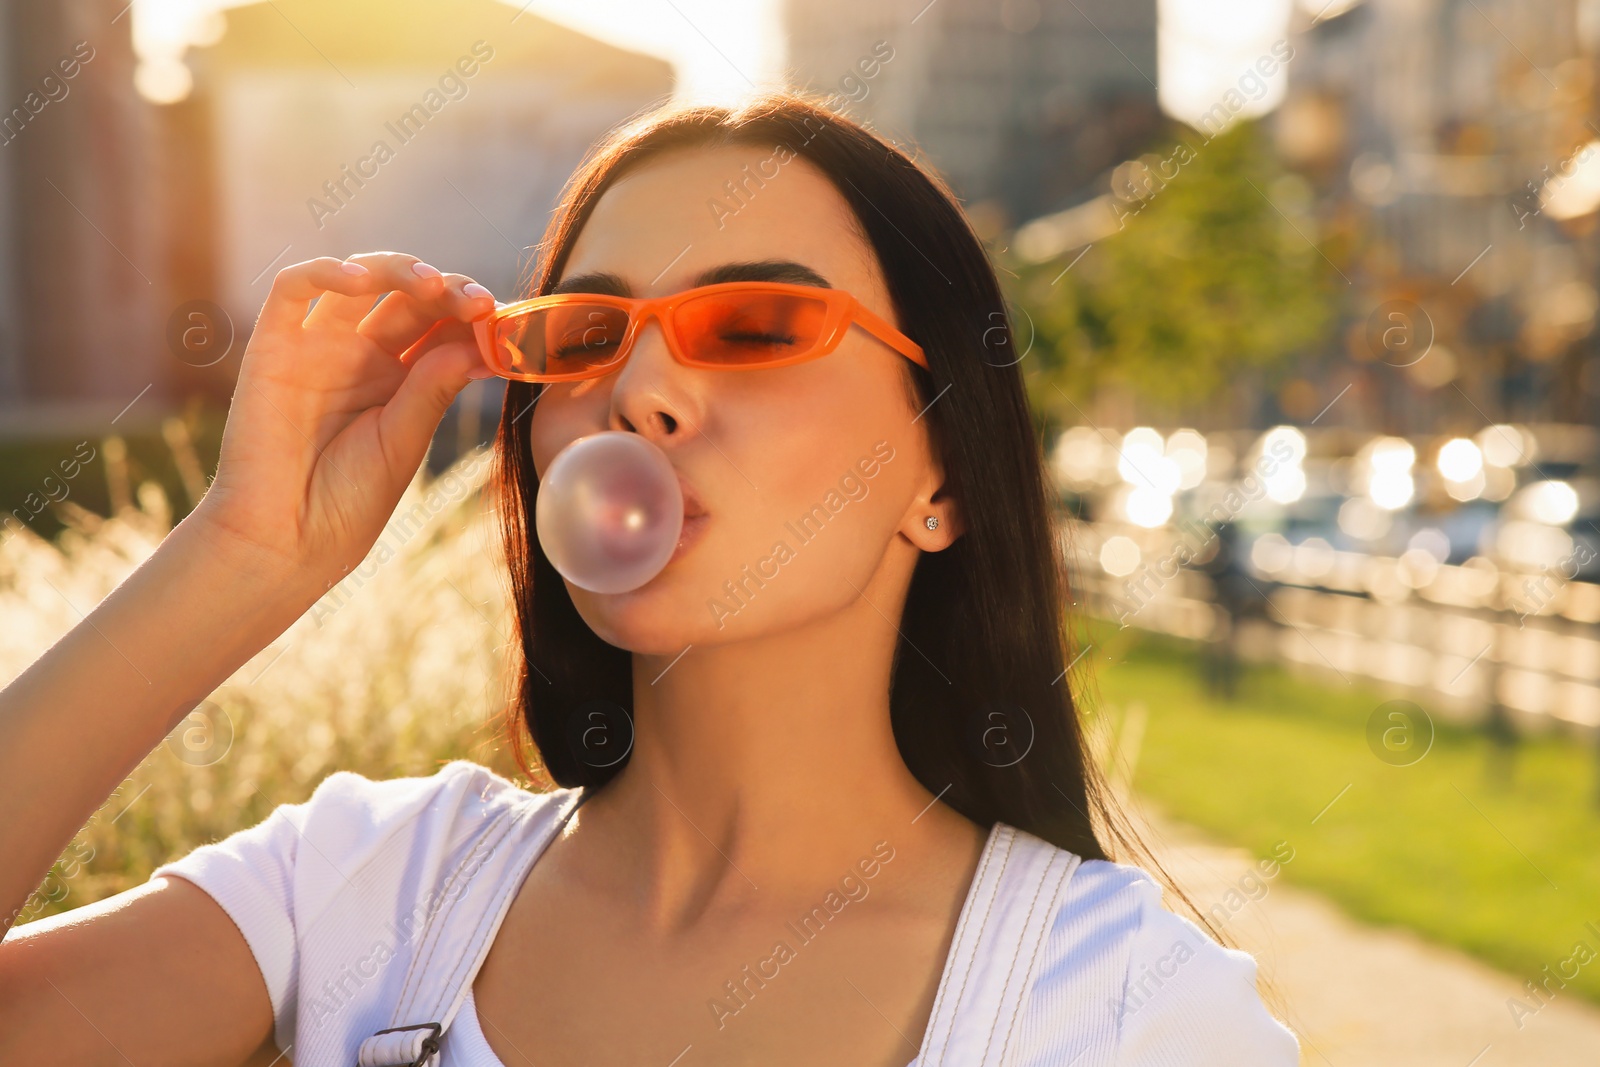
(891, 336)
(421, 343)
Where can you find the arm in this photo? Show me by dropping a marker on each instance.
(325, 430)
(88, 711)
(157, 974)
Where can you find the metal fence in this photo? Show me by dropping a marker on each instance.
(1466, 640)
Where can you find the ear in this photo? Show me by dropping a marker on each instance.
(935, 501)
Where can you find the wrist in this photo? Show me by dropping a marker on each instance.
(246, 569)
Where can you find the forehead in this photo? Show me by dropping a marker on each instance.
(694, 209)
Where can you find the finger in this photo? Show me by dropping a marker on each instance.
(407, 423)
(400, 319)
(295, 286)
(391, 271)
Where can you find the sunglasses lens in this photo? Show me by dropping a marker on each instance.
(749, 329)
(569, 339)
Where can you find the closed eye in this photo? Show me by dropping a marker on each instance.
(740, 337)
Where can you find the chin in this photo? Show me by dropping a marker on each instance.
(659, 618)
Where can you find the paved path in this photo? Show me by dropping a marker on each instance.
(1360, 996)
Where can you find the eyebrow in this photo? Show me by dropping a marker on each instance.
(767, 270)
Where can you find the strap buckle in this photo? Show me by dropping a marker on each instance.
(430, 1044)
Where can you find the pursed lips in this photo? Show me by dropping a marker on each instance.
(694, 517)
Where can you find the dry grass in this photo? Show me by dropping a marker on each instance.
(399, 668)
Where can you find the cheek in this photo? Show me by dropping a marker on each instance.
(805, 551)
(559, 418)
(818, 526)
(797, 441)
(788, 542)
(773, 571)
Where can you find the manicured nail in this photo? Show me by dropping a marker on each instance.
(423, 270)
(474, 290)
(353, 268)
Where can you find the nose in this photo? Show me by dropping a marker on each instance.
(653, 394)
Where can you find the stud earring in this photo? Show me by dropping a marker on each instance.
(932, 522)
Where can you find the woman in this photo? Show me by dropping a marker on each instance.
(836, 804)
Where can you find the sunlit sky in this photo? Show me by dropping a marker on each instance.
(724, 49)
(720, 49)
(1205, 50)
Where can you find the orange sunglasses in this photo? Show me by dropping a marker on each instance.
(728, 326)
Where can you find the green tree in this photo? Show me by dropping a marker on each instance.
(1212, 271)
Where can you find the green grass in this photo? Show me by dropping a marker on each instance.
(1504, 866)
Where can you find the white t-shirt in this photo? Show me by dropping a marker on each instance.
(1054, 962)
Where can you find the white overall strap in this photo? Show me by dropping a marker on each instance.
(453, 946)
(978, 1012)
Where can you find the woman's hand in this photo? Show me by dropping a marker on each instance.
(326, 429)
(327, 426)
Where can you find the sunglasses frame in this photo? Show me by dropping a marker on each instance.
(840, 310)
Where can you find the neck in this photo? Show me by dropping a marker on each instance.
(766, 764)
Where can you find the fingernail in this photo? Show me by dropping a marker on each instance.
(353, 268)
(474, 290)
(479, 372)
(423, 270)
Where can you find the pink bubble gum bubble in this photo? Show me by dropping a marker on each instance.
(609, 511)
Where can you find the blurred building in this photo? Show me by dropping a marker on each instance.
(1020, 103)
(82, 266)
(1454, 157)
(443, 128)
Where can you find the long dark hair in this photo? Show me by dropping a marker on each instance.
(980, 701)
